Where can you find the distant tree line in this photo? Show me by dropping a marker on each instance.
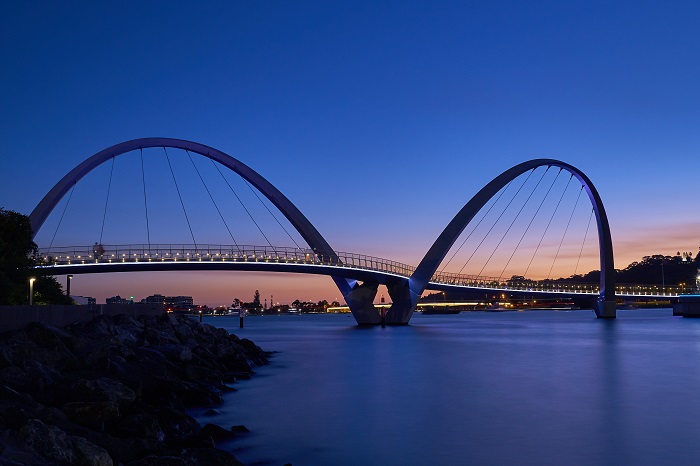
(651, 270)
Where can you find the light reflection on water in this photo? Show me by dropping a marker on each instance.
(474, 388)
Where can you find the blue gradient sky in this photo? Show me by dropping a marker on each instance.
(379, 121)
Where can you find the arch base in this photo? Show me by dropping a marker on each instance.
(404, 301)
(361, 303)
(605, 309)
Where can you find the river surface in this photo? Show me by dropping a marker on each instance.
(507, 388)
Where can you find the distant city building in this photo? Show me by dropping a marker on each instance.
(155, 299)
(83, 300)
(178, 302)
(117, 300)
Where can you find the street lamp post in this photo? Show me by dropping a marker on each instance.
(663, 276)
(31, 290)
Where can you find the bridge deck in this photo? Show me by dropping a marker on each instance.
(156, 257)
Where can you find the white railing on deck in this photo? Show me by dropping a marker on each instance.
(244, 253)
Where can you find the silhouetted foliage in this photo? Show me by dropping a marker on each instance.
(17, 257)
(659, 269)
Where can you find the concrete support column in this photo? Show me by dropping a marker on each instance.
(403, 302)
(605, 309)
(361, 303)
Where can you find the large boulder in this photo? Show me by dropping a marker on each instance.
(209, 456)
(48, 441)
(154, 460)
(139, 425)
(106, 389)
(91, 413)
(89, 454)
(16, 378)
(57, 447)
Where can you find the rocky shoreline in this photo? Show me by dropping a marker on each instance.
(114, 391)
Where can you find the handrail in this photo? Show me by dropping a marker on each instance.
(246, 253)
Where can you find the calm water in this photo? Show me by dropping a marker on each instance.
(532, 387)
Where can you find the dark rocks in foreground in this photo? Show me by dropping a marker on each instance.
(114, 391)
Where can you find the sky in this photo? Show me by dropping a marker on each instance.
(379, 120)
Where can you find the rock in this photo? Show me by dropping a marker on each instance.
(89, 454)
(20, 348)
(157, 337)
(91, 413)
(240, 429)
(209, 456)
(15, 377)
(212, 412)
(128, 322)
(176, 353)
(139, 425)
(106, 389)
(216, 433)
(125, 338)
(201, 373)
(177, 425)
(197, 394)
(42, 376)
(154, 460)
(46, 335)
(114, 390)
(48, 441)
(183, 332)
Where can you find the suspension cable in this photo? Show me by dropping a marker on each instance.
(180, 196)
(530, 224)
(499, 218)
(213, 201)
(244, 207)
(477, 225)
(567, 227)
(145, 201)
(584, 241)
(515, 218)
(109, 188)
(272, 213)
(64, 213)
(544, 232)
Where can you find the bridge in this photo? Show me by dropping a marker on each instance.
(357, 276)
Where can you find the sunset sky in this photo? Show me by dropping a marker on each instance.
(379, 120)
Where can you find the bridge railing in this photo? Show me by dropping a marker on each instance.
(215, 253)
(279, 254)
(556, 286)
(652, 290)
(477, 281)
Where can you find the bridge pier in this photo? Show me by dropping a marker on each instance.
(605, 309)
(360, 300)
(403, 302)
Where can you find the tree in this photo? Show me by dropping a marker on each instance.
(256, 299)
(18, 256)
